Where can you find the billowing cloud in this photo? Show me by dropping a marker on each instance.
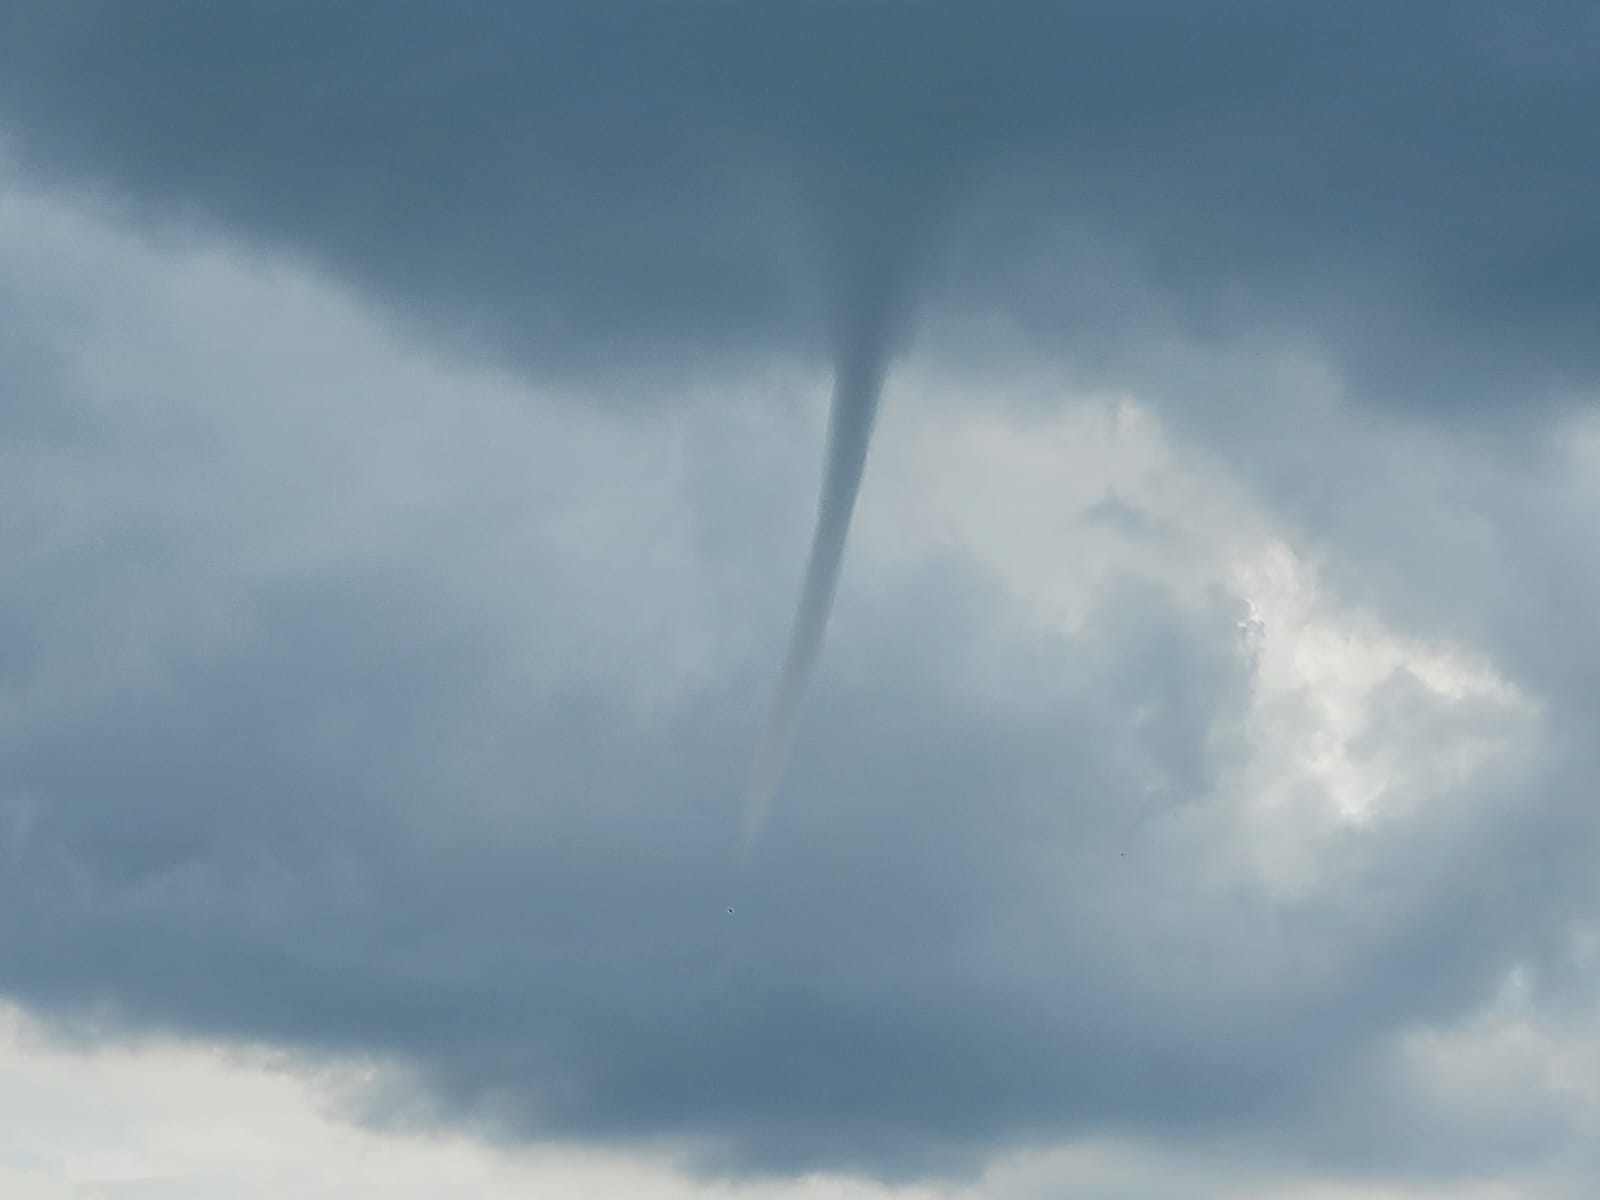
(408, 427)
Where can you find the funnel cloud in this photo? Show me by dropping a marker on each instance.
(857, 388)
(875, 236)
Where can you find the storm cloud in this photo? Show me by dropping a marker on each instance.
(1411, 187)
(410, 432)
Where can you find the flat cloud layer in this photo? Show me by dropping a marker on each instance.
(1199, 754)
(1413, 187)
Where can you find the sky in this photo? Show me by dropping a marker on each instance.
(463, 730)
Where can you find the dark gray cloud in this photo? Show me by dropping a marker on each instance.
(292, 753)
(1413, 188)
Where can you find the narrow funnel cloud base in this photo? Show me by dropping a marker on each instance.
(858, 382)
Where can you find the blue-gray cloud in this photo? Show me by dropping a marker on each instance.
(575, 182)
(310, 795)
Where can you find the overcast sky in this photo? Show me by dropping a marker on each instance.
(412, 423)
